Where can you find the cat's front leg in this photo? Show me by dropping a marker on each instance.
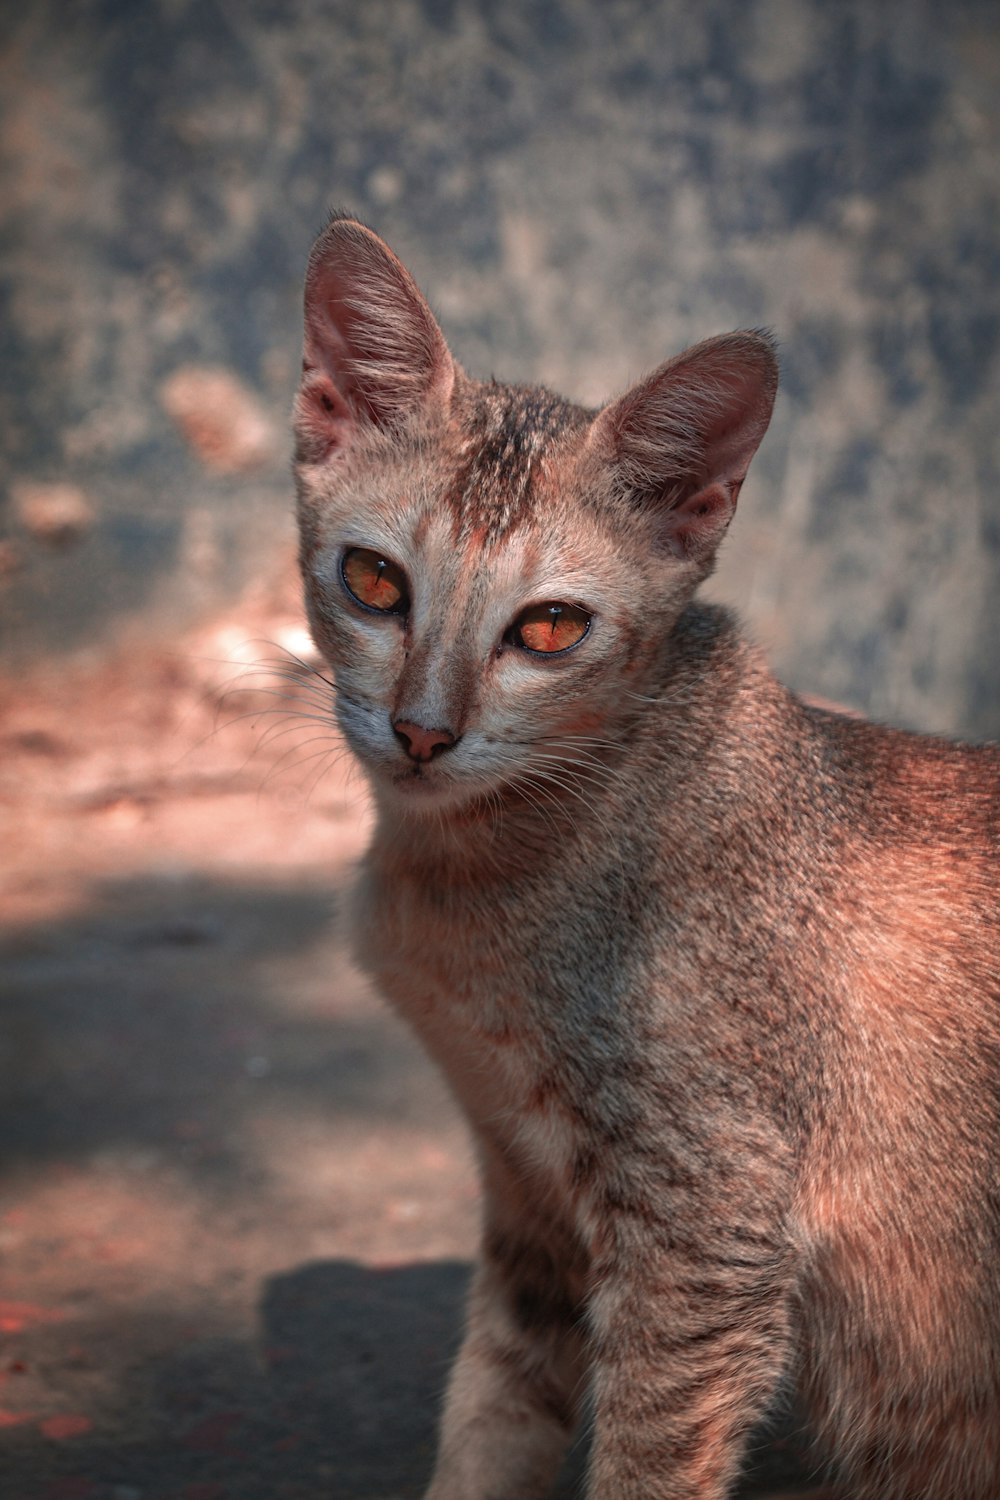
(689, 1344)
(512, 1398)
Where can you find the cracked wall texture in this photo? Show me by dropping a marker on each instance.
(582, 187)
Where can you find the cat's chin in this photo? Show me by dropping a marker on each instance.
(421, 793)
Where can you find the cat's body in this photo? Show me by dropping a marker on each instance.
(714, 975)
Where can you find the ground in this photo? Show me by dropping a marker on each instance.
(237, 1210)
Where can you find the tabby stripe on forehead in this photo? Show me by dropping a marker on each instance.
(509, 427)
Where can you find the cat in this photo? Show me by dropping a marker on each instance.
(713, 973)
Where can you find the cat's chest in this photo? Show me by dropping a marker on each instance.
(469, 983)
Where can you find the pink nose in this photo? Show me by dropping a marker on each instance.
(420, 743)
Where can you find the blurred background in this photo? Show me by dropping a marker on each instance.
(236, 1210)
(581, 189)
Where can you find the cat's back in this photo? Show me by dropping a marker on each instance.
(920, 824)
(853, 788)
(833, 869)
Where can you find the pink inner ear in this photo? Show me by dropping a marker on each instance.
(695, 526)
(373, 351)
(324, 421)
(731, 436)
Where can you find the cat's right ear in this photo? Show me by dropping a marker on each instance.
(373, 352)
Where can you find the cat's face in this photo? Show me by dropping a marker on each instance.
(469, 663)
(490, 571)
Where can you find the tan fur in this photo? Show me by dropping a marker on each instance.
(714, 974)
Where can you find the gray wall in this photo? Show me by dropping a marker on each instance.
(582, 187)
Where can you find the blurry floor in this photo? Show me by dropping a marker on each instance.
(236, 1209)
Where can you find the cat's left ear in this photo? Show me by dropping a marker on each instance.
(373, 352)
(681, 441)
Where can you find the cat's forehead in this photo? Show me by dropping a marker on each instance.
(507, 437)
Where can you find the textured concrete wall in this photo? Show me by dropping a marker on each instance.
(582, 187)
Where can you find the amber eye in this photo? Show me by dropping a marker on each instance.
(375, 582)
(547, 628)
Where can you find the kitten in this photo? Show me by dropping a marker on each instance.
(715, 975)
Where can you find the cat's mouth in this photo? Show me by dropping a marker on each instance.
(418, 781)
(416, 776)
(424, 787)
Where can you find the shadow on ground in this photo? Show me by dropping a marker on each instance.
(335, 1397)
(237, 1210)
(338, 1397)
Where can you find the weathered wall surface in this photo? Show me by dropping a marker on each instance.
(582, 187)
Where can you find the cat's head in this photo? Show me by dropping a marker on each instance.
(490, 571)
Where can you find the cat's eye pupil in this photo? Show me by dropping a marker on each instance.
(374, 581)
(548, 628)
